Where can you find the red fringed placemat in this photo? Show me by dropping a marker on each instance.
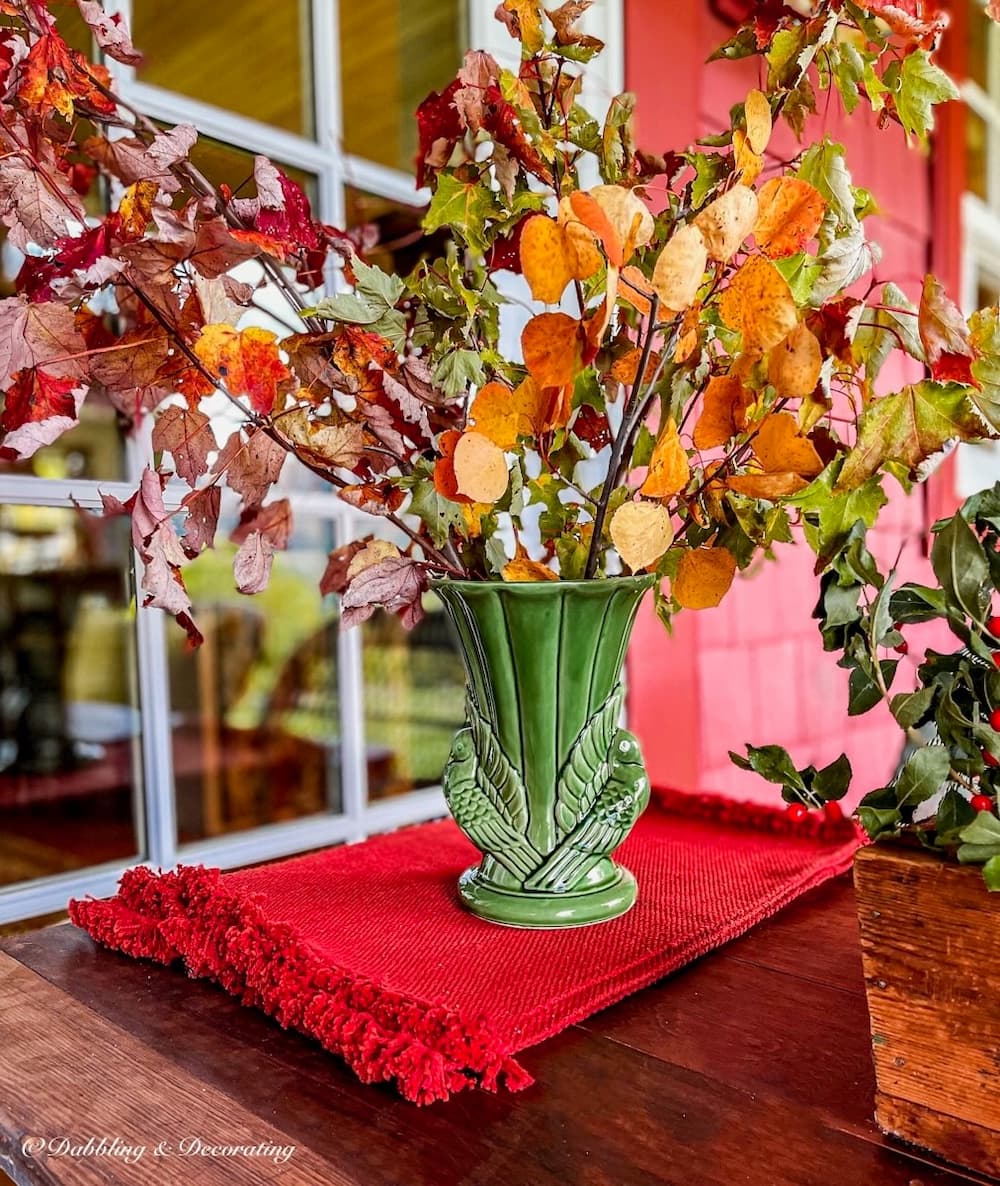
(365, 947)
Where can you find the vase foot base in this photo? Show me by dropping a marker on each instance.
(522, 908)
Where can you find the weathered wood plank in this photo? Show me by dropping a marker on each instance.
(66, 1073)
(930, 941)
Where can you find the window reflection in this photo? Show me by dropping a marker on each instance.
(392, 53)
(252, 58)
(70, 737)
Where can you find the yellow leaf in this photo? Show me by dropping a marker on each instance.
(504, 415)
(136, 207)
(779, 448)
(669, 471)
(373, 552)
(759, 304)
(687, 339)
(552, 344)
(746, 163)
(545, 259)
(480, 468)
(793, 366)
(790, 213)
(724, 405)
(757, 113)
(703, 577)
(635, 289)
(767, 486)
(642, 532)
(680, 269)
(628, 214)
(625, 369)
(525, 569)
(727, 221)
(524, 22)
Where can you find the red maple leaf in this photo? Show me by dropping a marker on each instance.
(293, 225)
(439, 129)
(34, 396)
(501, 120)
(945, 335)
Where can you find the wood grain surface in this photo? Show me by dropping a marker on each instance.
(751, 1066)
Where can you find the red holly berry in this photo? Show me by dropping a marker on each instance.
(996, 658)
(993, 626)
(995, 719)
(902, 648)
(833, 811)
(989, 759)
(982, 803)
(796, 812)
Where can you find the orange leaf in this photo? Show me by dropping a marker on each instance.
(746, 163)
(136, 207)
(628, 214)
(581, 243)
(504, 415)
(723, 407)
(767, 486)
(669, 471)
(687, 340)
(635, 289)
(557, 404)
(625, 369)
(523, 568)
(553, 349)
(545, 258)
(642, 532)
(727, 221)
(793, 366)
(589, 212)
(759, 304)
(480, 468)
(779, 448)
(703, 577)
(790, 213)
(680, 269)
(246, 360)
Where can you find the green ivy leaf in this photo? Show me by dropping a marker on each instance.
(345, 306)
(908, 428)
(832, 516)
(378, 287)
(458, 370)
(466, 207)
(917, 85)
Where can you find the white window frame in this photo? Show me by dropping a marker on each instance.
(155, 814)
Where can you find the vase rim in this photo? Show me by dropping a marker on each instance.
(642, 580)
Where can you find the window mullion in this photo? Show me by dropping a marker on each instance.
(351, 695)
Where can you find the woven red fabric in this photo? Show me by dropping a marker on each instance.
(366, 948)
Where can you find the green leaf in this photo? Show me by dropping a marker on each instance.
(618, 139)
(466, 207)
(863, 693)
(908, 428)
(840, 604)
(845, 260)
(984, 830)
(833, 781)
(772, 762)
(884, 330)
(918, 84)
(910, 708)
(954, 812)
(917, 603)
(801, 271)
(378, 287)
(834, 515)
(991, 873)
(984, 335)
(824, 167)
(922, 776)
(960, 566)
(440, 515)
(878, 820)
(458, 370)
(345, 306)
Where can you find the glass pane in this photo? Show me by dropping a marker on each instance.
(392, 53)
(400, 243)
(224, 163)
(256, 725)
(73, 29)
(976, 154)
(70, 745)
(414, 700)
(252, 58)
(978, 40)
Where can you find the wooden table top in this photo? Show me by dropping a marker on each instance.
(751, 1066)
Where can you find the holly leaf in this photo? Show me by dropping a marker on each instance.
(772, 762)
(944, 335)
(246, 361)
(908, 428)
(960, 566)
(187, 435)
(922, 776)
(37, 409)
(396, 584)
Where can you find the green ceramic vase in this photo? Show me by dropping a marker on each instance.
(542, 778)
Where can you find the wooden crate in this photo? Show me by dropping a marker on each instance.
(930, 940)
